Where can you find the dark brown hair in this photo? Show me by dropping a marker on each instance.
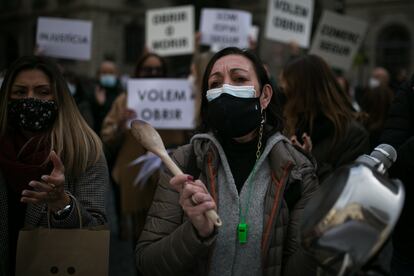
(146, 56)
(375, 103)
(273, 111)
(312, 90)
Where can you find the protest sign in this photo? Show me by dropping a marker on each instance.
(64, 38)
(170, 31)
(338, 38)
(254, 33)
(222, 28)
(163, 103)
(289, 20)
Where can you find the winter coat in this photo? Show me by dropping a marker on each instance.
(331, 155)
(88, 189)
(399, 133)
(169, 244)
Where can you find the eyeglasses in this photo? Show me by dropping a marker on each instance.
(151, 71)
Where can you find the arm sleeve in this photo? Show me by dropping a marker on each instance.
(168, 244)
(89, 191)
(110, 134)
(293, 253)
(399, 126)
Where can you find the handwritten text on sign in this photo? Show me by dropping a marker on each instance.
(170, 31)
(164, 103)
(289, 21)
(64, 38)
(338, 38)
(222, 28)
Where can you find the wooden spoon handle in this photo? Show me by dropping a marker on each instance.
(175, 170)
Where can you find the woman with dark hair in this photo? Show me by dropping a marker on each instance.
(320, 115)
(375, 103)
(241, 166)
(150, 65)
(134, 200)
(50, 159)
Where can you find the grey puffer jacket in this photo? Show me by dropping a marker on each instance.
(169, 244)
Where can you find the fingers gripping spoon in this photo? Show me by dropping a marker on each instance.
(149, 138)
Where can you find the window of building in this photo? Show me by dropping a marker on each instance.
(134, 42)
(64, 2)
(393, 48)
(39, 4)
(7, 5)
(9, 50)
(133, 2)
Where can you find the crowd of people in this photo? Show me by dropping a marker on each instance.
(265, 142)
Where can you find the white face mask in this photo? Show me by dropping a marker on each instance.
(373, 83)
(236, 91)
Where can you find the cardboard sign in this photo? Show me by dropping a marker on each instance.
(64, 38)
(222, 28)
(338, 38)
(289, 20)
(170, 31)
(163, 103)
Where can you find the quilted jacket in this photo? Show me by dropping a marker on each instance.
(169, 244)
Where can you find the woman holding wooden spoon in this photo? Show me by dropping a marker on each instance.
(241, 166)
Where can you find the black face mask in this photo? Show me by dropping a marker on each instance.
(234, 117)
(32, 114)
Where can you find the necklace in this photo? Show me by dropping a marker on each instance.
(242, 228)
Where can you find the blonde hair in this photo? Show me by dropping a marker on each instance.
(73, 140)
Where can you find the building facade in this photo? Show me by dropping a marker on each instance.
(119, 31)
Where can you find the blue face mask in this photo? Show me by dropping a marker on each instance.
(107, 80)
(236, 91)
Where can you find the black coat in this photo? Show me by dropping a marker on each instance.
(330, 154)
(399, 132)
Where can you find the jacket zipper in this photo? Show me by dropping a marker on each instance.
(280, 186)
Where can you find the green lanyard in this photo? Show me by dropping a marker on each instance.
(243, 226)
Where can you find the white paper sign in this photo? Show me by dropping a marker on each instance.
(170, 31)
(338, 38)
(163, 103)
(289, 20)
(223, 28)
(64, 38)
(254, 33)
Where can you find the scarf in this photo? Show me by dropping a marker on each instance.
(23, 159)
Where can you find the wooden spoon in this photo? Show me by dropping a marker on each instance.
(149, 138)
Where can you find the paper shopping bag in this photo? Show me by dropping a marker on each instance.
(44, 251)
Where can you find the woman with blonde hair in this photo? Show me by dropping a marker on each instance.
(319, 114)
(50, 159)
